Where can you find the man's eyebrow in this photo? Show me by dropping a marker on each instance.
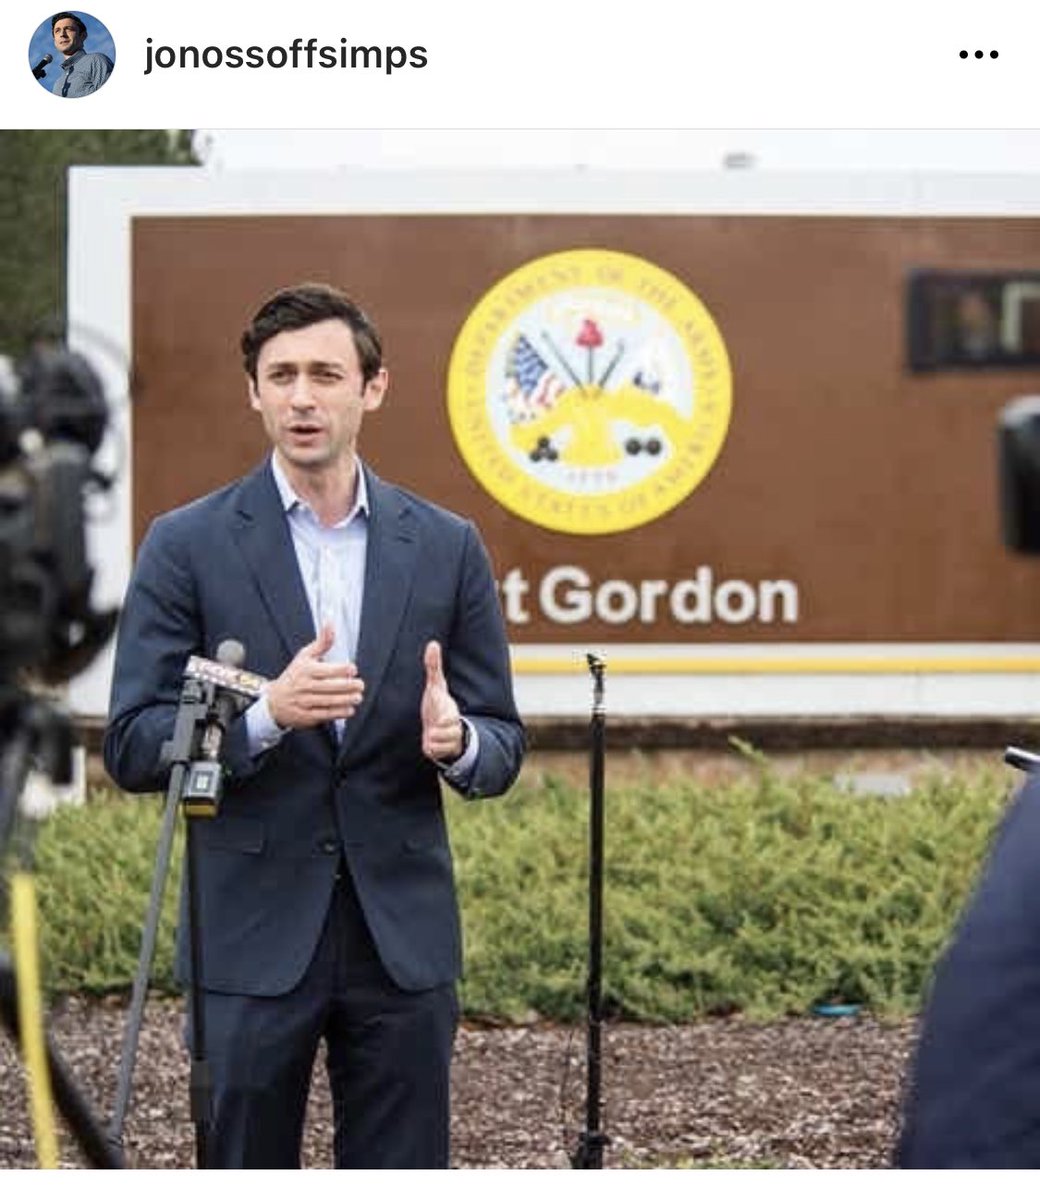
(311, 364)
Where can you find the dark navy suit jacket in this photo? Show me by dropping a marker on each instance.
(974, 1091)
(224, 567)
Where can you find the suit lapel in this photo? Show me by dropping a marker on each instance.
(266, 544)
(390, 563)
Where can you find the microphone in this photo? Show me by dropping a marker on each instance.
(230, 656)
(232, 687)
(227, 671)
(41, 66)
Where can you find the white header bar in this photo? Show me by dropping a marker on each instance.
(538, 64)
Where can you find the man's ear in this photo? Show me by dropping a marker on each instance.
(254, 399)
(376, 389)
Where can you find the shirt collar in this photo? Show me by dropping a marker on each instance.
(68, 63)
(290, 499)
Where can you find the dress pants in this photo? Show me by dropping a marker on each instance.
(388, 1056)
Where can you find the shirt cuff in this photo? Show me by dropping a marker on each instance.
(262, 731)
(462, 768)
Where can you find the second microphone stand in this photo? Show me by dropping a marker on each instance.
(589, 1154)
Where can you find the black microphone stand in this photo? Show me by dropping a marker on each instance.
(195, 784)
(589, 1154)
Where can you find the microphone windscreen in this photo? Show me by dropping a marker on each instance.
(231, 653)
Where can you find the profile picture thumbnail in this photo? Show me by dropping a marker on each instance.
(72, 54)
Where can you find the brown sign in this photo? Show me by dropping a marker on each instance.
(848, 498)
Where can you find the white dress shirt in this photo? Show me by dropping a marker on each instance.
(331, 559)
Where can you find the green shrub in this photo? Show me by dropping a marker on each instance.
(764, 894)
(94, 868)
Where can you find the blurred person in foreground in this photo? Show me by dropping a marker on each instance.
(79, 72)
(328, 906)
(973, 1096)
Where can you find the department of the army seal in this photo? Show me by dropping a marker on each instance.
(589, 391)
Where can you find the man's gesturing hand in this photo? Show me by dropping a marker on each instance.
(310, 692)
(441, 723)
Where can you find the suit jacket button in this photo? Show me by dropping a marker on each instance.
(329, 846)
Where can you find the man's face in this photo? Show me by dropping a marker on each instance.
(310, 395)
(68, 38)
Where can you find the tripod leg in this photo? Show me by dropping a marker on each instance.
(71, 1103)
(135, 1017)
(30, 1022)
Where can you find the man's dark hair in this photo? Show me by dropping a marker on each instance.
(68, 17)
(307, 304)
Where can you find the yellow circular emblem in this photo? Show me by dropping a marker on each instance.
(589, 391)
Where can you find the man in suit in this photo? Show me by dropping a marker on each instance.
(80, 73)
(973, 1099)
(328, 908)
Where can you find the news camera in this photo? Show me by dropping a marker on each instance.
(1018, 445)
(53, 417)
(1018, 468)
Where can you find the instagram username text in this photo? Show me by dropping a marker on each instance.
(300, 54)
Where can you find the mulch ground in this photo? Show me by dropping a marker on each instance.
(807, 1092)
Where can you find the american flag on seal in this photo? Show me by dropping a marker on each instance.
(531, 386)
